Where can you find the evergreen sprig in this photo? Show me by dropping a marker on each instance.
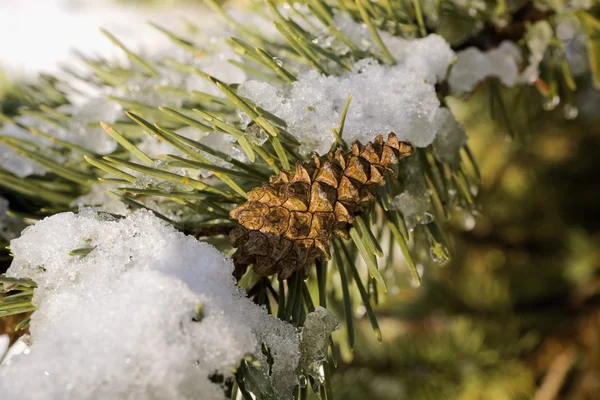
(202, 205)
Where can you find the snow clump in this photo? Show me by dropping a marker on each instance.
(122, 321)
(399, 98)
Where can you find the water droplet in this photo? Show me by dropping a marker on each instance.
(469, 222)
(278, 61)
(438, 254)
(302, 381)
(551, 102)
(425, 218)
(315, 41)
(570, 111)
(361, 310)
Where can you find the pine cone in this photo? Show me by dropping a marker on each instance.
(287, 223)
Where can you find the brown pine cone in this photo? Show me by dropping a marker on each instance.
(287, 223)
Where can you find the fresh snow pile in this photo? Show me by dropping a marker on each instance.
(122, 322)
(399, 98)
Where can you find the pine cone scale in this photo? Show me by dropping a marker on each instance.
(287, 223)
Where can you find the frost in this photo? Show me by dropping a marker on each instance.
(473, 66)
(385, 99)
(121, 322)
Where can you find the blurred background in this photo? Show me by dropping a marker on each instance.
(514, 315)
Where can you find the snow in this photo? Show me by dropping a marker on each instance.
(4, 342)
(538, 39)
(84, 128)
(385, 99)
(473, 66)
(100, 200)
(317, 328)
(11, 161)
(120, 321)
(449, 138)
(399, 98)
(20, 346)
(428, 57)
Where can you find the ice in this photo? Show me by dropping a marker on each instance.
(414, 202)
(120, 322)
(449, 139)
(315, 339)
(473, 66)
(385, 99)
